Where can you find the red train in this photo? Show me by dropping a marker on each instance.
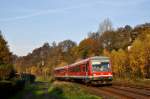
(91, 70)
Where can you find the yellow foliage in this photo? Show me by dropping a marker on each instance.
(106, 53)
(118, 61)
(62, 64)
(34, 70)
(137, 57)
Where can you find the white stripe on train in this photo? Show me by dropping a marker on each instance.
(84, 76)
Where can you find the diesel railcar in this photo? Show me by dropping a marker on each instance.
(91, 70)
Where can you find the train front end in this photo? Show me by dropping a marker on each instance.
(101, 70)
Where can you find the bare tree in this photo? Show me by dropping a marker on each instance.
(105, 25)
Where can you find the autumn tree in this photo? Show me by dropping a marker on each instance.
(147, 56)
(66, 45)
(87, 48)
(66, 48)
(123, 37)
(119, 63)
(137, 59)
(5, 55)
(94, 35)
(108, 40)
(6, 69)
(98, 47)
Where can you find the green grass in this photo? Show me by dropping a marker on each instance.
(41, 78)
(55, 90)
(32, 91)
(63, 90)
(20, 94)
(47, 89)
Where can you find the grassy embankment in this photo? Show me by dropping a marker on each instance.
(54, 90)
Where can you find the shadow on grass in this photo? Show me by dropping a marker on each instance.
(56, 93)
(41, 92)
(46, 90)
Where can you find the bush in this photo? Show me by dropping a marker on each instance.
(28, 77)
(10, 88)
(6, 72)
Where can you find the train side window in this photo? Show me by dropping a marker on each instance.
(75, 69)
(78, 68)
(72, 69)
(87, 65)
(84, 67)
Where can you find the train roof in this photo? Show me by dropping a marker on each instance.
(83, 61)
(58, 68)
(74, 64)
(80, 62)
(99, 57)
(91, 58)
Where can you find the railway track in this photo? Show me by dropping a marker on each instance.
(119, 92)
(141, 91)
(128, 93)
(136, 87)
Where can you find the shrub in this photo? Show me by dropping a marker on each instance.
(6, 72)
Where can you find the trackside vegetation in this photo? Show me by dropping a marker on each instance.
(10, 81)
(65, 90)
(54, 90)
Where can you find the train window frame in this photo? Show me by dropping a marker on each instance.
(85, 67)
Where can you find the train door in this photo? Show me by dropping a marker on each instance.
(86, 80)
(86, 70)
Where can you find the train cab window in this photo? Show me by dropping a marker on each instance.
(100, 66)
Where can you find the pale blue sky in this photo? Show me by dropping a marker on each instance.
(27, 24)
